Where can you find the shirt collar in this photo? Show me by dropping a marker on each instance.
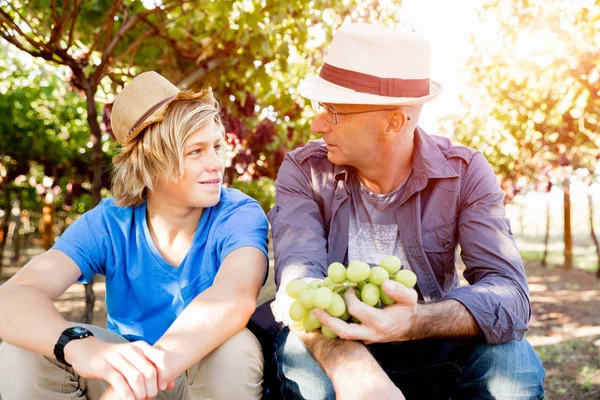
(428, 162)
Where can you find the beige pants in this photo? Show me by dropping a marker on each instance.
(234, 370)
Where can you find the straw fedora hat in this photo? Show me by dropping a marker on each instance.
(144, 101)
(372, 64)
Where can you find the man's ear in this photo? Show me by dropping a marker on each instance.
(397, 120)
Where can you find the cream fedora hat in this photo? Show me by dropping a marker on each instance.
(372, 64)
(144, 101)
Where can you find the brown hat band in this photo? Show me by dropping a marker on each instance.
(365, 83)
(149, 112)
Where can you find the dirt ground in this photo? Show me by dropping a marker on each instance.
(564, 328)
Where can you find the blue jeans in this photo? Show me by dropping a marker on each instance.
(429, 369)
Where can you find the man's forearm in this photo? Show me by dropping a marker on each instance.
(206, 323)
(344, 361)
(445, 319)
(338, 355)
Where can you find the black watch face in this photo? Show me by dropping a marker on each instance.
(79, 331)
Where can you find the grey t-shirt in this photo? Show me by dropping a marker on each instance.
(373, 230)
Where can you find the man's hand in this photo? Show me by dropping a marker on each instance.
(281, 306)
(133, 370)
(393, 323)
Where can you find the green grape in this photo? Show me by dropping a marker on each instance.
(328, 332)
(341, 290)
(337, 306)
(391, 264)
(311, 323)
(345, 316)
(295, 288)
(323, 297)
(327, 282)
(385, 299)
(307, 298)
(337, 272)
(370, 294)
(378, 275)
(361, 284)
(358, 294)
(297, 312)
(355, 320)
(358, 271)
(296, 326)
(406, 277)
(315, 284)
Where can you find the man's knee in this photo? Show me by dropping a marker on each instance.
(298, 373)
(512, 369)
(232, 370)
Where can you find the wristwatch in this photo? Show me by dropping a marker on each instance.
(73, 333)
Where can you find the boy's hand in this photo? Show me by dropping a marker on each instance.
(133, 370)
(111, 394)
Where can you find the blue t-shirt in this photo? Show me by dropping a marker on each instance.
(144, 294)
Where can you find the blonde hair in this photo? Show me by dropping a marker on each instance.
(158, 151)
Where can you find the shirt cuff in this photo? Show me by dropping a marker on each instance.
(497, 321)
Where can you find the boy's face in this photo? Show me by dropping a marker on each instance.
(200, 184)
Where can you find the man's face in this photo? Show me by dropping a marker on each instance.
(200, 184)
(355, 139)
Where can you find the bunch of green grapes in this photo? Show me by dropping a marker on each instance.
(328, 293)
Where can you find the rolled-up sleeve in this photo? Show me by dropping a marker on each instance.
(299, 240)
(498, 295)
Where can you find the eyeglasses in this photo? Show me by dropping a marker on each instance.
(331, 115)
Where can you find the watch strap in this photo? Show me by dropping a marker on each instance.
(73, 333)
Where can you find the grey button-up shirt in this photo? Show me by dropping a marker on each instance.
(451, 198)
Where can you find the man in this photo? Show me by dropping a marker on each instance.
(184, 259)
(377, 184)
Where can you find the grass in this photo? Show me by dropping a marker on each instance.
(573, 369)
(584, 258)
(527, 215)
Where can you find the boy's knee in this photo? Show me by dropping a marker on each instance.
(232, 370)
(28, 375)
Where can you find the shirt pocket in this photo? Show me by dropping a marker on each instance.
(439, 244)
(197, 286)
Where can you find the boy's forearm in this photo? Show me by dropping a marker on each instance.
(206, 323)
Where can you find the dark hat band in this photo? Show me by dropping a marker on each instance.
(365, 83)
(149, 113)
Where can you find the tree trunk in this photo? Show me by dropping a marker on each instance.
(522, 220)
(547, 237)
(48, 219)
(592, 231)
(568, 234)
(4, 229)
(16, 236)
(96, 138)
(49, 214)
